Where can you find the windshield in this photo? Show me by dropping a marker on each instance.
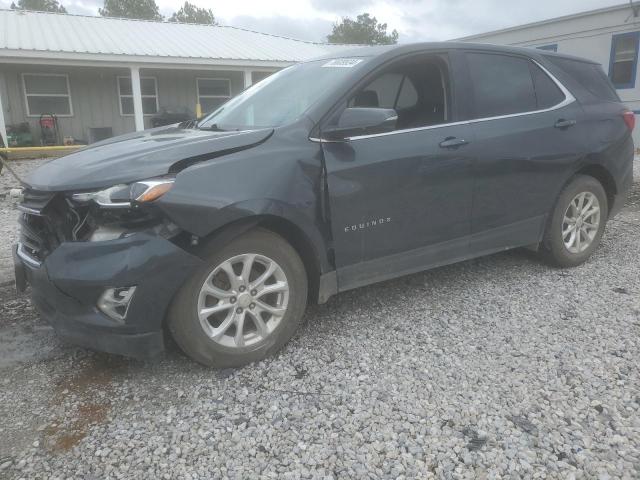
(280, 98)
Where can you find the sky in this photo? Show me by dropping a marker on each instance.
(415, 20)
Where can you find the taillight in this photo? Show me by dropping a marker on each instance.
(629, 118)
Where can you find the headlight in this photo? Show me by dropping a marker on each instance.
(122, 196)
(150, 190)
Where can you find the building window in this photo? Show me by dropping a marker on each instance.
(47, 94)
(624, 59)
(213, 92)
(149, 90)
(259, 76)
(551, 48)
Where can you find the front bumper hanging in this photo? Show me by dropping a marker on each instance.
(67, 285)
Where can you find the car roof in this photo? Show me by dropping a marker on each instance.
(389, 51)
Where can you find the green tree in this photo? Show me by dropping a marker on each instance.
(139, 9)
(39, 6)
(364, 30)
(190, 13)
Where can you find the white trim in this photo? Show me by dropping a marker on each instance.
(125, 61)
(120, 95)
(248, 78)
(563, 18)
(3, 125)
(568, 99)
(27, 95)
(212, 96)
(138, 108)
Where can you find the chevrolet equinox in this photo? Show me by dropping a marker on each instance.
(329, 175)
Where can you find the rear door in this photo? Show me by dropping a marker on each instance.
(527, 139)
(401, 201)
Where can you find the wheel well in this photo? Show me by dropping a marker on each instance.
(299, 241)
(604, 177)
(287, 230)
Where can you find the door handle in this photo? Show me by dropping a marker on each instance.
(453, 142)
(562, 123)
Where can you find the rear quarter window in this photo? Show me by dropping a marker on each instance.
(589, 75)
(548, 94)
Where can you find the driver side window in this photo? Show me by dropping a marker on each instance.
(416, 88)
(389, 90)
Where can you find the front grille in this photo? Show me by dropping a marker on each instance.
(47, 219)
(35, 202)
(35, 236)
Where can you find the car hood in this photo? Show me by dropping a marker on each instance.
(138, 156)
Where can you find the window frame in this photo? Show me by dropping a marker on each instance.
(27, 95)
(198, 96)
(449, 91)
(569, 98)
(121, 96)
(634, 68)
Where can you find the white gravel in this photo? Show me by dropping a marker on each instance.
(500, 367)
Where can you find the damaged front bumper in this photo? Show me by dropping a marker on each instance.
(68, 284)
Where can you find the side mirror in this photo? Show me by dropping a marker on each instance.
(362, 121)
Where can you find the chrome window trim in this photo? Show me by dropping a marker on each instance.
(568, 99)
(24, 256)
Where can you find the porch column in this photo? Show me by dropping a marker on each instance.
(247, 79)
(3, 126)
(137, 98)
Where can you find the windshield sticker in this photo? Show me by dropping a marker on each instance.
(342, 63)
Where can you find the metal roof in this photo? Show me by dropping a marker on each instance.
(53, 35)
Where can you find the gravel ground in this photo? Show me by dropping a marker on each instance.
(500, 367)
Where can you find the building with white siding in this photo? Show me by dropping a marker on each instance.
(609, 36)
(113, 75)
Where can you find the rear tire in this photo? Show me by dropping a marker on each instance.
(576, 224)
(244, 304)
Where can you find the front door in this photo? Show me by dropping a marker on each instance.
(401, 201)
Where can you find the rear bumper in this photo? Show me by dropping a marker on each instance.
(67, 285)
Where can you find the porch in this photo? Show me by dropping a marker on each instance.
(95, 101)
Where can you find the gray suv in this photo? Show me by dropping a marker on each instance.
(329, 175)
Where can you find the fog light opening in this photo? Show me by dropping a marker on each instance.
(114, 302)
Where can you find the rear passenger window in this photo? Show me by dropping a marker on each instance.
(548, 93)
(501, 84)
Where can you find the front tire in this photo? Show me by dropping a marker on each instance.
(577, 223)
(244, 304)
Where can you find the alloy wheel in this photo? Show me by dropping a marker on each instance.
(243, 300)
(581, 222)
